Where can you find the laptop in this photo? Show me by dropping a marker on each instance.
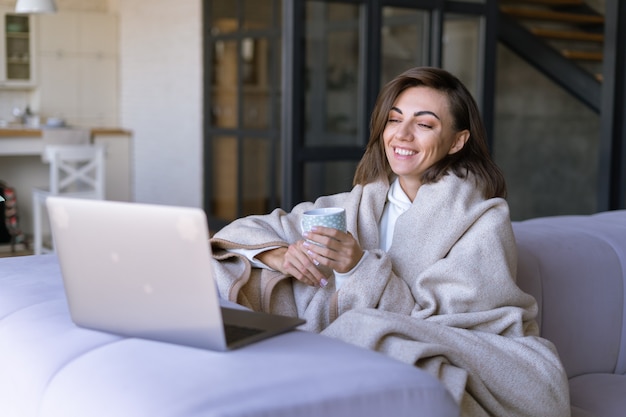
(143, 270)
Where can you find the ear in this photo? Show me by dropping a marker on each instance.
(459, 141)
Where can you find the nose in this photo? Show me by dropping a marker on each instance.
(404, 132)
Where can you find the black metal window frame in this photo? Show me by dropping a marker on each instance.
(611, 103)
(612, 164)
(272, 135)
(294, 153)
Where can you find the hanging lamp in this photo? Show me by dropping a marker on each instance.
(35, 6)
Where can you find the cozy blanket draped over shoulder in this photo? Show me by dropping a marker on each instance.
(442, 298)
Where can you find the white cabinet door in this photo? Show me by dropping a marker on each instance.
(85, 33)
(98, 95)
(79, 68)
(98, 34)
(58, 33)
(59, 86)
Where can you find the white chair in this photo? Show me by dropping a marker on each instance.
(76, 171)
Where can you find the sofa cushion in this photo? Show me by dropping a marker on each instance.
(600, 394)
(579, 412)
(574, 266)
(52, 368)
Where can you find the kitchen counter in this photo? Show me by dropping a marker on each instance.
(11, 132)
(22, 141)
(21, 165)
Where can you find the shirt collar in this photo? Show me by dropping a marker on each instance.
(397, 196)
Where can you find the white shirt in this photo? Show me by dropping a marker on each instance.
(397, 203)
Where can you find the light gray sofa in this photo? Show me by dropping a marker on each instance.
(574, 265)
(51, 368)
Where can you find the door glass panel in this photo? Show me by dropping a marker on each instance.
(255, 163)
(223, 16)
(224, 89)
(256, 83)
(17, 35)
(257, 14)
(324, 178)
(224, 177)
(461, 52)
(258, 169)
(332, 96)
(404, 40)
(340, 12)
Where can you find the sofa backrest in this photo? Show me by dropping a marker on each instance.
(575, 266)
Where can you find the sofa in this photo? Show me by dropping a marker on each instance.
(51, 368)
(575, 266)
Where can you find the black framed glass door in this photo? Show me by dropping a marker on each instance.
(338, 53)
(242, 108)
(289, 87)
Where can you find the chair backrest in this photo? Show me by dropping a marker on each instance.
(76, 169)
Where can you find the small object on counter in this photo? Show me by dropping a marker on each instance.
(30, 119)
(18, 115)
(55, 122)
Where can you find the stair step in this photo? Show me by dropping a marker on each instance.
(570, 35)
(552, 2)
(526, 13)
(582, 55)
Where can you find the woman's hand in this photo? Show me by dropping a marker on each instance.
(336, 249)
(294, 261)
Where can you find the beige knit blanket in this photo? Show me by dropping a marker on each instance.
(442, 298)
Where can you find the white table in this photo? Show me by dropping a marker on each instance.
(21, 166)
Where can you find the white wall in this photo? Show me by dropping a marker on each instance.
(161, 97)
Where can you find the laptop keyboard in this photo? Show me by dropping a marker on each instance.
(236, 333)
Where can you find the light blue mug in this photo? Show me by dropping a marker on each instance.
(333, 217)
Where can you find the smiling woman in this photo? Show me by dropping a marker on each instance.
(425, 272)
(435, 101)
(416, 137)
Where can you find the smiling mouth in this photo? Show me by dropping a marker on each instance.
(403, 152)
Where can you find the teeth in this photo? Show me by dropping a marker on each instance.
(404, 152)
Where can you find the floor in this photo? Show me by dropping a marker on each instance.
(20, 250)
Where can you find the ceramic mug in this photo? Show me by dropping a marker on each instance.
(334, 217)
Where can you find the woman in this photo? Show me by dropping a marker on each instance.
(426, 271)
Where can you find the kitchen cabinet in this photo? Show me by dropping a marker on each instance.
(78, 67)
(17, 68)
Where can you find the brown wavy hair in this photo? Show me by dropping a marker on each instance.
(474, 157)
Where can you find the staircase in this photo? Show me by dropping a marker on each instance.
(562, 38)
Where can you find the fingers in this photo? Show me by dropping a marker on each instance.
(333, 248)
(299, 265)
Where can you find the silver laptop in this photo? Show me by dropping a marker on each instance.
(142, 270)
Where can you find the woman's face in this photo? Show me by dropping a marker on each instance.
(419, 132)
